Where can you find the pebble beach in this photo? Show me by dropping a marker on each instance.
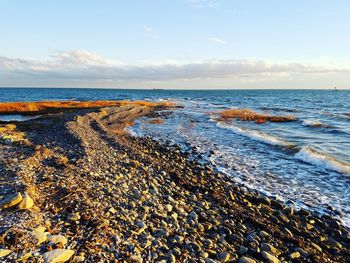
(77, 187)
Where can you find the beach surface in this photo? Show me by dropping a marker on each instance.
(75, 186)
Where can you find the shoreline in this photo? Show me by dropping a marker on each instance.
(102, 194)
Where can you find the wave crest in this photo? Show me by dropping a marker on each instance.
(309, 155)
(315, 123)
(256, 135)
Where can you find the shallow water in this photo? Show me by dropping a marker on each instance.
(17, 117)
(306, 162)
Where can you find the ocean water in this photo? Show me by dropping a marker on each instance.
(305, 163)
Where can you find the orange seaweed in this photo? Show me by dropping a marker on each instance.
(54, 106)
(250, 115)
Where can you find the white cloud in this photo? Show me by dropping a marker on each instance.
(204, 3)
(78, 57)
(82, 66)
(216, 40)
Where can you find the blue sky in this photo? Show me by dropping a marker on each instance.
(175, 44)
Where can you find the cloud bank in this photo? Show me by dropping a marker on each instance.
(79, 66)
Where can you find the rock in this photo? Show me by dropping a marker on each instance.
(135, 259)
(4, 252)
(11, 200)
(25, 257)
(246, 260)
(269, 248)
(193, 216)
(171, 258)
(40, 237)
(56, 239)
(140, 224)
(112, 210)
(294, 255)
(263, 234)
(78, 259)
(302, 252)
(57, 255)
(269, 257)
(223, 256)
(39, 229)
(317, 247)
(26, 203)
(168, 208)
(243, 250)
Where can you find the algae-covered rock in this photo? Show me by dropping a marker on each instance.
(11, 200)
(57, 255)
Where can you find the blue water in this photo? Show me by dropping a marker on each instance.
(306, 162)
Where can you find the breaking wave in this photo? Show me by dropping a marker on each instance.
(309, 155)
(256, 135)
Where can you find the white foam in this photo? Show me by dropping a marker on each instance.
(255, 135)
(313, 123)
(311, 156)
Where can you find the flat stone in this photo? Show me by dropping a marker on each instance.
(58, 255)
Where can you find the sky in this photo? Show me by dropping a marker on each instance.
(175, 44)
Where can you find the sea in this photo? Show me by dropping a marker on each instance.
(305, 163)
